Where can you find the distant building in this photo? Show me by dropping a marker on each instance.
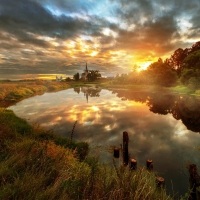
(85, 73)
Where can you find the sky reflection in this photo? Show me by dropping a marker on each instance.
(103, 116)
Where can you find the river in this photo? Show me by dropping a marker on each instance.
(161, 127)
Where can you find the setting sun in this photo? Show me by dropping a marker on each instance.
(91, 31)
(89, 89)
(143, 65)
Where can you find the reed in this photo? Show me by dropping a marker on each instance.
(37, 164)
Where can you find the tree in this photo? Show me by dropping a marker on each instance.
(193, 83)
(195, 47)
(191, 73)
(68, 79)
(160, 60)
(76, 76)
(192, 61)
(93, 75)
(160, 73)
(176, 60)
(186, 75)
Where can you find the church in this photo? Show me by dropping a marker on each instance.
(85, 73)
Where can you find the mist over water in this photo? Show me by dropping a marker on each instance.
(161, 127)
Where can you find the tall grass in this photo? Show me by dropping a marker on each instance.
(16, 91)
(37, 164)
(43, 171)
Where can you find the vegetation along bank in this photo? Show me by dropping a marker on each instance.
(37, 164)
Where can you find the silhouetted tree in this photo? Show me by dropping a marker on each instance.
(68, 79)
(93, 75)
(176, 60)
(191, 73)
(195, 47)
(160, 73)
(76, 76)
(160, 60)
(192, 61)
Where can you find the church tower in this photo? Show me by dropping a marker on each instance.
(85, 74)
(86, 69)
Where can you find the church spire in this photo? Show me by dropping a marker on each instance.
(86, 67)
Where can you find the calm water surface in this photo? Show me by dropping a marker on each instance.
(164, 128)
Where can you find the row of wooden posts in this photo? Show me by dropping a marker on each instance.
(160, 181)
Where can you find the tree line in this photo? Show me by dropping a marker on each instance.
(183, 65)
(91, 76)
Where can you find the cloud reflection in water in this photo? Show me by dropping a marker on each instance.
(103, 116)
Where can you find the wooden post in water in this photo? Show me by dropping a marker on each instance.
(116, 152)
(160, 182)
(133, 164)
(125, 148)
(149, 164)
(194, 182)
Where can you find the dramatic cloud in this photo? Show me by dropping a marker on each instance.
(51, 37)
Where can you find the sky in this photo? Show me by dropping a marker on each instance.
(112, 36)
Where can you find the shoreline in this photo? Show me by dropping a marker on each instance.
(12, 92)
(67, 85)
(60, 168)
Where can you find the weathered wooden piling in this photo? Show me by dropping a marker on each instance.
(125, 148)
(149, 164)
(160, 182)
(194, 180)
(133, 164)
(116, 152)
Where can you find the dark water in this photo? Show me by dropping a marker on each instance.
(162, 127)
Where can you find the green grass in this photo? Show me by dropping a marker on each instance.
(15, 127)
(179, 88)
(37, 164)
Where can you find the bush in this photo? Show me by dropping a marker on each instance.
(186, 75)
(193, 83)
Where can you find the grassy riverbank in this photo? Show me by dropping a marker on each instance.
(37, 164)
(179, 88)
(14, 91)
(57, 167)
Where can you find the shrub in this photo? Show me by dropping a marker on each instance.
(193, 83)
(186, 75)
